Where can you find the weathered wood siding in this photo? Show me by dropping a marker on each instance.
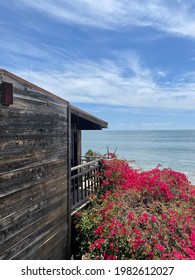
(34, 175)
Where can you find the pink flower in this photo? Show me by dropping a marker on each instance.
(130, 215)
(99, 230)
(178, 255)
(159, 247)
(153, 219)
(163, 216)
(151, 255)
(111, 258)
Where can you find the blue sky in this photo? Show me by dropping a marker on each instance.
(131, 63)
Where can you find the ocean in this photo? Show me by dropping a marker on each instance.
(171, 148)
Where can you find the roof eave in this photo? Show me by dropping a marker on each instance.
(98, 123)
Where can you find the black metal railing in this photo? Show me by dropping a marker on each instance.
(84, 181)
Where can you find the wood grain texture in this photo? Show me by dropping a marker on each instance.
(34, 175)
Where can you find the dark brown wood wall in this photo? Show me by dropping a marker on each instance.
(34, 175)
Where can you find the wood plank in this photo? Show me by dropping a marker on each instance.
(34, 239)
(34, 174)
(19, 234)
(30, 196)
(32, 201)
(49, 251)
(19, 159)
(30, 175)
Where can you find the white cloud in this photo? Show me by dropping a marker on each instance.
(104, 82)
(172, 17)
(152, 124)
(162, 74)
(123, 80)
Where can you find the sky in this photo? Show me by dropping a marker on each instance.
(128, 62)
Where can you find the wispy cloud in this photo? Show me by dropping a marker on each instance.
(122, 79)
(24, 52)
(156, 124)
(119, 82)
(172, 17)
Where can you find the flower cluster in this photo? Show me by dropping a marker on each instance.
(139, 215)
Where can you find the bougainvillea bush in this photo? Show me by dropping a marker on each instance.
(139, 215)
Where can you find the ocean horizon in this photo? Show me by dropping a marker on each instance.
(173, 149)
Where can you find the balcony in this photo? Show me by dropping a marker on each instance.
(84, 181)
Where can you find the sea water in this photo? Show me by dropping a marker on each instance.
(171, 148)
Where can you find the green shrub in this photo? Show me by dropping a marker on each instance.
(91, 155)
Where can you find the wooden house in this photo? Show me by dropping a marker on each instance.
(40, 140)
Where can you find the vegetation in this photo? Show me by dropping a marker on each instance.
(91, 155)
(138, 215)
